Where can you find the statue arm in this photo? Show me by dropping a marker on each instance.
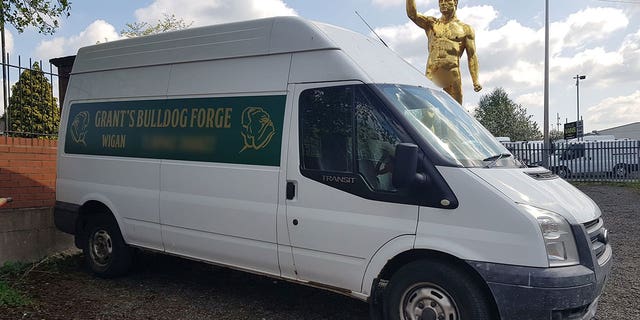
(470, 46)
(423, 22)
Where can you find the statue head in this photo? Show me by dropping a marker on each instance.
(448, 7)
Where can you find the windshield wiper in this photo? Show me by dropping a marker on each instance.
(495, 159)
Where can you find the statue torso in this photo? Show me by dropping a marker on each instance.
(446, 39)
(446, 45)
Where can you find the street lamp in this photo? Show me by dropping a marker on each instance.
(578, 78)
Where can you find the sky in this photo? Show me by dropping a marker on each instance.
(596, 38)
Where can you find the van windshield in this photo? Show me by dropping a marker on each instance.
(446, 126)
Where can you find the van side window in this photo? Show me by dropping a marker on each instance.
(574, 151)
(327, 129)
(345, 130)
(377, 137)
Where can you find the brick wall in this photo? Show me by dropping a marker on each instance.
(28, 175)
(27, 172)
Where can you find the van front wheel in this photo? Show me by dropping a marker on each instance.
(434, 290)
(105, 251)
(563, 172)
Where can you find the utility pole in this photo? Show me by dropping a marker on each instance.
(4, 72)
(547, 143)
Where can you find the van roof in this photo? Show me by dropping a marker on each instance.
(232, 40)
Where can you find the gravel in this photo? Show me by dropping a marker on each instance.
(163, 287)
(621, 213)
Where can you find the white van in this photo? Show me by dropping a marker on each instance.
(616, 158)
(310, 153)
(530, 153)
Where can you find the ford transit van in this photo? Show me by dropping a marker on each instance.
(310, 153)
(585, 159)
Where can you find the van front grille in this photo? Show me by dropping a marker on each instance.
(598, 238)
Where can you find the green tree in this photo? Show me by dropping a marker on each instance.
(32, 106)
(168, 23)
(42, 14)
(556, 135)
(505, 118)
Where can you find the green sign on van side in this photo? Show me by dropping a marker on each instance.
(242, 130)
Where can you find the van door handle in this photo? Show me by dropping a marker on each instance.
(291, 190)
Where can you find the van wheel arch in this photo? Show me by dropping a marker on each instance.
(87, 210)
(413, 256)
(100, 238)
(90, 210)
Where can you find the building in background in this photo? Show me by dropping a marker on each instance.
(627, 131)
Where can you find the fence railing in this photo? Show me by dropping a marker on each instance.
(13, 97)
(589, 161)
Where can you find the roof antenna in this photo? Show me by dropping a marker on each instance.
(374, 32)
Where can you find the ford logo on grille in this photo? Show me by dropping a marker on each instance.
(604, 236)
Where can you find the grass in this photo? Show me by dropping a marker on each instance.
(632, 185)
(9, 297)
(13, 269)
(12, 273)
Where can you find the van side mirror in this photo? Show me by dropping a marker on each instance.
(405, 168)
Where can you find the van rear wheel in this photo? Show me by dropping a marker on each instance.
(435, 290)
(620, 171)
(105, 251)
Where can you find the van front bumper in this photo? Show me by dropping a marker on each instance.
(560, 293)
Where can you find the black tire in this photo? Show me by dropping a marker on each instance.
(105, 251)
(436, 290)
(620, 171)
(563, 172)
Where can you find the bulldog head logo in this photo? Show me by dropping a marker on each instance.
(79, 128)
(257, 128)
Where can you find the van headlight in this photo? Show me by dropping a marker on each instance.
(557, 235)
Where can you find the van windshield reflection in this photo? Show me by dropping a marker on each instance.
(447, 127)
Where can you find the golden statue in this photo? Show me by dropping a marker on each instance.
(448, 39)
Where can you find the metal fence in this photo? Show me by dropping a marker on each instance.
(11, 74)
(588, 161)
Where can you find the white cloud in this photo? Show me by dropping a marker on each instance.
(395, 3)
(213, 11)
(588, 25)
(478, 17)
(614, 111)
(98, 31)
(533, 99)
